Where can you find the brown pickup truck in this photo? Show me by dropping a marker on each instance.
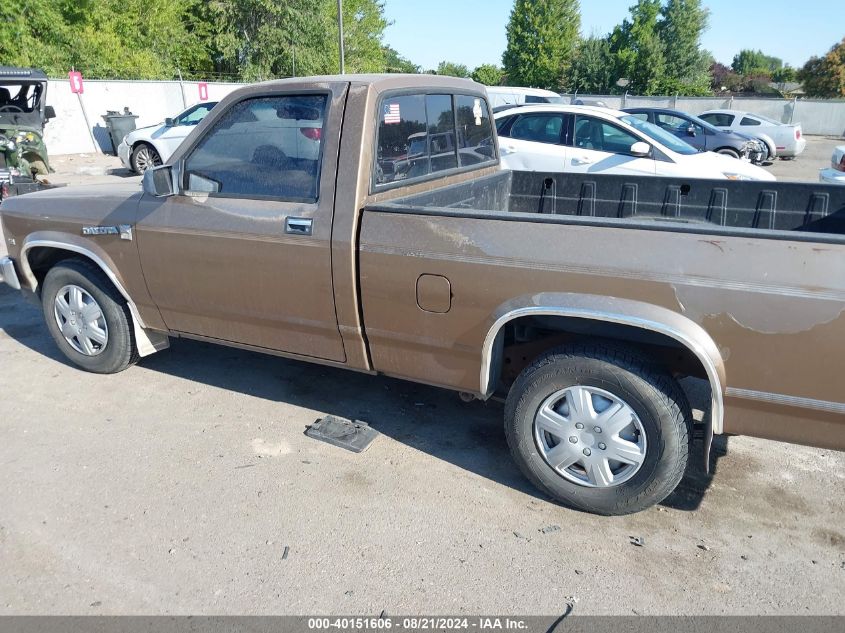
(364, 222)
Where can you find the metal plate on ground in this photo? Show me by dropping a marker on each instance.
(353, 435)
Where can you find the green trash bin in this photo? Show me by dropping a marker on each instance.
(119, 124)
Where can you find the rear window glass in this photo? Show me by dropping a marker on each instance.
(420, 135)
(748, 121)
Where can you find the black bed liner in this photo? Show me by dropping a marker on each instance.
(710, 206)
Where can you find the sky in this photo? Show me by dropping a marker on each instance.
(472, 32)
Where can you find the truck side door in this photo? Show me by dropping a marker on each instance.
(242, 252)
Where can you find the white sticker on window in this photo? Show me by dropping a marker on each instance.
(391, 113)
(476, 111)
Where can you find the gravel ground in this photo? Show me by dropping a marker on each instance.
(186, 485)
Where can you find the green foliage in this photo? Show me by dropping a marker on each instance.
(103, 38)
(395, 63)
(488, 74)
(749, 62)
(638, 49)
(153, 39)
(825, 76)
(785, 74)
(682, 22)
(593, 69)
(363, 26)
(451, 69)
(542, 42)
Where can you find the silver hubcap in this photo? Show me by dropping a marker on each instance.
(590, 436)
(145, 159)
(80, 320)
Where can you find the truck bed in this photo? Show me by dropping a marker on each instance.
(756, 265)
(701, 206)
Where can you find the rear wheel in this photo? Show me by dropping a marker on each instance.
(144, 157)
(599, 428)
(88, 318)
(728, 151)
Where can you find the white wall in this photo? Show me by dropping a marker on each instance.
(152, 101)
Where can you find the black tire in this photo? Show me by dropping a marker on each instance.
(119, 351)
(728, 151)
(143, 157)
(656, 398)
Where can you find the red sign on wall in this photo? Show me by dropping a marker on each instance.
(203, 91)
(75, 78)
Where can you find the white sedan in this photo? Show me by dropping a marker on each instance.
(584, 139)
(150, 146)
(783, 139)
(835, 174)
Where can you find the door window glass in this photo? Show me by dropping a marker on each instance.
(718, 119)
(475, 131)
(594, 134)
(540, 128)
(266, 147)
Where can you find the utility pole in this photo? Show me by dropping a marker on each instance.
(340, 35)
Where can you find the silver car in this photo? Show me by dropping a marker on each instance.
(782, 139)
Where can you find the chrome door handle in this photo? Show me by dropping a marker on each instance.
(298, 226)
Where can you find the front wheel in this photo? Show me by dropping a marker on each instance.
(143, 158)
(727, 151)
(87, 317)
(599, 428)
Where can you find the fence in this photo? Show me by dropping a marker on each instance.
(822, 117)
(153, 101)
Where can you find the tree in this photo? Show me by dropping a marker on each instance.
(395, 63)
(542, 42)
(750, 62)
(451, 69)
(258, 39)
(638, 49)
(681, 25)
(488, 74)
(593, 69)
(723, 78)
(825, 76)
(363, 27)
(784, 75)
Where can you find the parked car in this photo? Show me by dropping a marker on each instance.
(152, 145)
(835, 174)
(23, 114)
(584, 298)
(701, 135)
(512, 95)
(584, 139)
(784, 140)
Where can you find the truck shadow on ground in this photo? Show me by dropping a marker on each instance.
(430, 420)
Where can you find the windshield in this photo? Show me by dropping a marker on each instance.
(660, 135)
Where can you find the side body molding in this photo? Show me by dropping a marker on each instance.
(148, 341)
(620, 311)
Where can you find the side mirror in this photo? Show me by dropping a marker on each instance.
(640, 149)
(170, 122)
(49, 112)
(691, 130)
(158, 181)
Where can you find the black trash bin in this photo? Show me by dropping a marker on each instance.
(119, 125)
